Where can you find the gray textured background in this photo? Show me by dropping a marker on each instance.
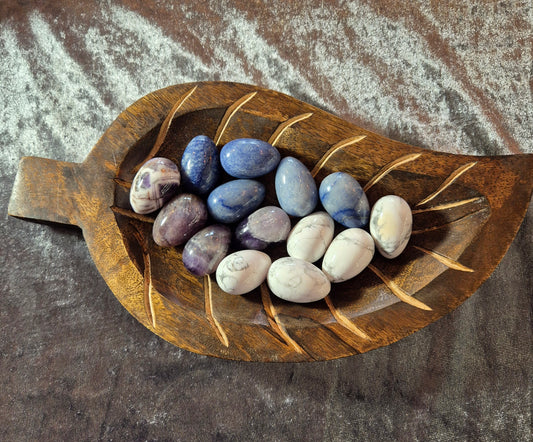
(75, 366)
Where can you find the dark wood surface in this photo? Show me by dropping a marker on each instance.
(77, 366)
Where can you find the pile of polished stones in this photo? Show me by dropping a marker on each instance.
(191, 195)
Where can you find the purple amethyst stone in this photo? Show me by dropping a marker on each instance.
(204, 251)
(265, 226)
(179, 219)
(154, 184)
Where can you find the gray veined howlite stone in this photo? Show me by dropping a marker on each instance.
(249, 158)
(391, 222)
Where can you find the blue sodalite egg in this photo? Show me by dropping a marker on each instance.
(249, 158)
(235, 199)
(295, 187)
(204, 251)
(154, 184)
(344, 199)
(200, 165)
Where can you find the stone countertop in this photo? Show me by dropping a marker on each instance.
(76, 366)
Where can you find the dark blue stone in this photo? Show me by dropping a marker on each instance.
(295, 187)
(204, 251)
(235, 199)
(345, 200)
(249, 158)
(200, 165)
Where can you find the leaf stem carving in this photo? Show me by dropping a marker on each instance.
(147, 278)
(343, 320)
(165, 127)
(451, 263)
(274, 138)
(122, 183)
(446, 205)
(131, 214)
(229, 115)
(448, 182)
(333, 149)
(275, 322)
(397, 291)
(219, 331)
(390, 167)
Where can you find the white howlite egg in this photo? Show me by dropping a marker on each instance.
(391, 222)
(348, 254)
(242, 271)
(297, 280)
(311, 236)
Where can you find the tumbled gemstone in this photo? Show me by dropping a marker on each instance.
(249, 158)
(154, 184)
(311, 236)
(344, 199)
(204, 251)
(235, 199)
(297, 280)
(265, 226)
(200, 165)
(295, 187)
(349, 254)
(391, 222)
(243, 271)
(179, 219)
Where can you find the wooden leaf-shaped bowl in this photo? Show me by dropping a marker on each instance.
(466, 212)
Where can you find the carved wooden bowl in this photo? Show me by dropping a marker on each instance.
(466, 212)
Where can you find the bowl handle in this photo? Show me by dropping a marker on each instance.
(48, 190)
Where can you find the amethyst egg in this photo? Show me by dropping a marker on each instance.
(265, 226)
(179, 219)
(204, 251)
(154, 184)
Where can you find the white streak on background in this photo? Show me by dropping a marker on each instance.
(420, 82)
(63, 89)
(240, 44)
(491, 40)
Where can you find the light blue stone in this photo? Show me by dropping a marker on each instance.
(295, 187)
(249, 158)
(200, 165)
(234, 200)
(345, 200)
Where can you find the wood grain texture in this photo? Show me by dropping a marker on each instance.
(471, 236)
(450, 76)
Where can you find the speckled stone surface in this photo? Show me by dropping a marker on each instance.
(344, 199)
(295, 187)
(200, 165)
(232, 201)
(450, 76)
(248, 158)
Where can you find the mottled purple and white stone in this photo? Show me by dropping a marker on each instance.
(265, 226)
(204, 251)
(154, 184)
(179, 219)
